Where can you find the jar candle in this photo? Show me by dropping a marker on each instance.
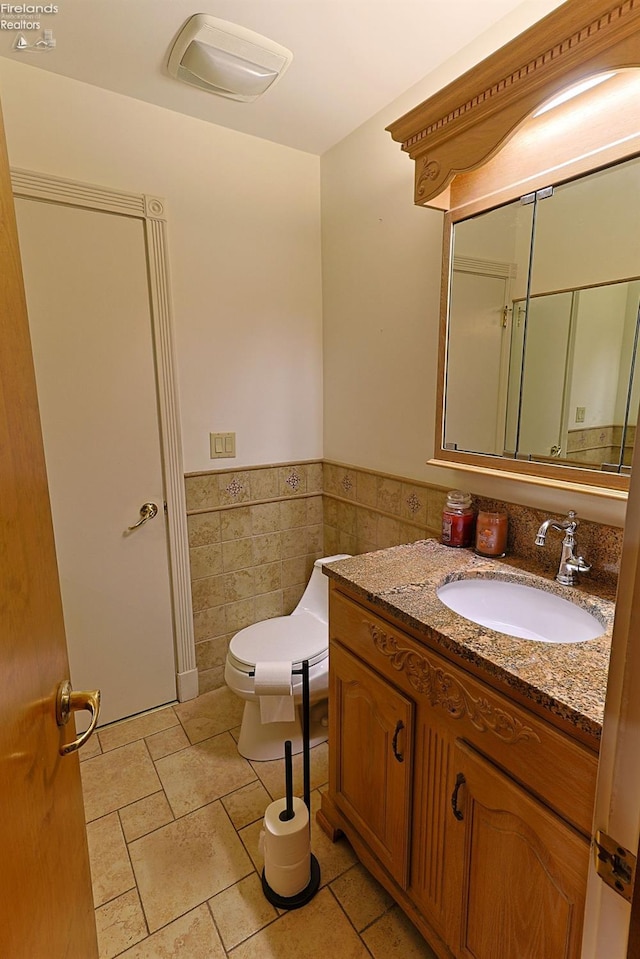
(491, 533)
(457, 520)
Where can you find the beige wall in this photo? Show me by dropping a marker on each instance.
(381, 289)
(251, 317)
(244, 246)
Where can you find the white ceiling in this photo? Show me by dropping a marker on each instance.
(351, 57)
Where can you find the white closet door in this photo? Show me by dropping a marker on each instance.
(88, 302)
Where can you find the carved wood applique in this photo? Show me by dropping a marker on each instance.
(442, 689)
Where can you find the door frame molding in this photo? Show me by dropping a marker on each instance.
(151, 210)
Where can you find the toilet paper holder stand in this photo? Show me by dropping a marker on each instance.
(306, 894)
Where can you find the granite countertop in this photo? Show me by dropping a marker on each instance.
(568, 679)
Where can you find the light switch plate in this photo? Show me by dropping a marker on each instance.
(580, 411)
(222, 445)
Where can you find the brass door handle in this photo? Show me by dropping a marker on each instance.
(147, 511)
(68, 702)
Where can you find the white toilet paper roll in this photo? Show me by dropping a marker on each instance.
(287, 849)
(273, 684)
(273, 679)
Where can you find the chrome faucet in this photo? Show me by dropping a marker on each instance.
(570, 564)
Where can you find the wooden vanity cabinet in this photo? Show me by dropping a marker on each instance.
(473, 812)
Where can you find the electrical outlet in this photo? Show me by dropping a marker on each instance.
(222, 445)
(580, 411)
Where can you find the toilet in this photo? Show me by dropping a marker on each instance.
(304, 634)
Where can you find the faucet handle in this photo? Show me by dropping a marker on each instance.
(579, 564)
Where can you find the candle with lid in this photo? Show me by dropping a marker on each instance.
(491, 533)
(457, 519)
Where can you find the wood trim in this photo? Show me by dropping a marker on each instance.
(466, 123)
(574, 478)
(593, 132)
(152, 211)
(42, 186)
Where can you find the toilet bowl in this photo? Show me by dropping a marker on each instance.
(303, 635)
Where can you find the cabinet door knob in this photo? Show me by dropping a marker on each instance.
(460, 781)
(394, 744)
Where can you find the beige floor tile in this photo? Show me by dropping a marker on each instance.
(190, 937)
(198, 877)
(187, 862)
(250, 837)
(145, 815)
(235, 732)
(272, 772)
(91, 748)
(334, 858)
(116, 779)
(246, 805)
(394, 937)
(212, 713)
(316, 931)
(166, 742)
(202, 773)
(120, 924)
(111, 872)
(361, 896)
(119, 734)
(241, 910)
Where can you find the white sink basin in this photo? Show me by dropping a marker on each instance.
(522, 611)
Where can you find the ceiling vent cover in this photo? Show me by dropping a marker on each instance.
(226, 59)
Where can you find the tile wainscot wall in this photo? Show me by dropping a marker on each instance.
(255, 533)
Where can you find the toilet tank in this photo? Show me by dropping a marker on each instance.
(315, 599)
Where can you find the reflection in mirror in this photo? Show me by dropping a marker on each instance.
(490, 267)
(543, 325)
(569, 396)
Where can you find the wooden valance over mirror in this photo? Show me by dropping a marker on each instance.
(530, 153)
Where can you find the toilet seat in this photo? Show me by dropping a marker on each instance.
(282, 639)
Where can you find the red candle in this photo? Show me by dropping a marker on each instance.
(457, 519)
(491, 533)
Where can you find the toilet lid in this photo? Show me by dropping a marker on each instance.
(282, 639)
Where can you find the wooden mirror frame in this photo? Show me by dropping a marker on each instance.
(454, 134)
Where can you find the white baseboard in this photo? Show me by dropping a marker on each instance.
(187, 685)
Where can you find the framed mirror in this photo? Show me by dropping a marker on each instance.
(540, 332)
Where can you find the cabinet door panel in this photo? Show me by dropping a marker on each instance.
(522, 884)
(372, 727)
